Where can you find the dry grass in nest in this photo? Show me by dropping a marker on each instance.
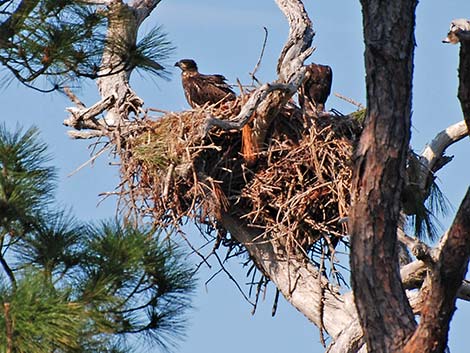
(303, 192)
(296, 193)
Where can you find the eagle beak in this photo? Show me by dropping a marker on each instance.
(177, 64)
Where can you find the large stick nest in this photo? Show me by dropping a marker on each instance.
(298, 189)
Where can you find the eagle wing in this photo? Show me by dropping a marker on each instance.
(200, 89)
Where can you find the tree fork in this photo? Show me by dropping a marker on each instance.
(440, 289)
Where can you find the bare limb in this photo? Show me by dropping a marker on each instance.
(436, 149)
(290, 71)
(298, 46)
(413, 274)
(351, 340)
(419, 249)
(85, 135)
(143, 8)
(85, 118)
(295, 278)
(442, 286)
(258, 96)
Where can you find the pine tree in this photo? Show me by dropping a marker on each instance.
(71, 287)
(46, 44)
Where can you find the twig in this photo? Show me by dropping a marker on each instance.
(222, 268)
(349, 100)
(74, 98)
(91, 160)
(276, 300)
(252, 74)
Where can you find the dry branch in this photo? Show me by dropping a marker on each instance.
(442, 286)
(86, 118)
(433, 156)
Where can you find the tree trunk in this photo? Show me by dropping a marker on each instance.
(464, 79)
(384, 312)
(114, 72)
(8, 328)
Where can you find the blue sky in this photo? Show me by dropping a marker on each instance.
(226, 37)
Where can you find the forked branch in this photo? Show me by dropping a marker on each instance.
(442, 286)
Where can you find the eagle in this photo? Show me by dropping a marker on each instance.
(200, 89)
(456, 26)
(315, 89)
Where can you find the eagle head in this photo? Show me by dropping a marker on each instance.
(456, 26)
(187, 65)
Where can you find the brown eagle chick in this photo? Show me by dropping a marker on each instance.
(200, 89)
(315, 89)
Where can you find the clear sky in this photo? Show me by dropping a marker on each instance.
(226, 37)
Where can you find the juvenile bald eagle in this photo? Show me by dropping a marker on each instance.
(200, 89)
(316, 88)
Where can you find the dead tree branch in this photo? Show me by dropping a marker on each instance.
(442, 285)
(268, 99)
(143, 8)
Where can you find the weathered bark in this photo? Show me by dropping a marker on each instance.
(114, 75)
(118, 98)
(385, 314)
(8, 328)
(290, 67)
(442, 285)
(464, 79)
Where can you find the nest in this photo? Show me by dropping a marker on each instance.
(297, 192)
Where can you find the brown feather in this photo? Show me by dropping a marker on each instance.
(316, 88)
(200, 89)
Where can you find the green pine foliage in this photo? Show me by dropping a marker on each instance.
(422, 207)
(70, 287)
(26, 182)
(43, 318)
(136, 281)
(47, 43)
